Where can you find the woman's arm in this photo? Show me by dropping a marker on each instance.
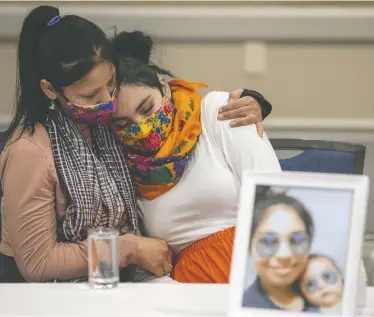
(29, 212)
(242, 147)
(264, 104)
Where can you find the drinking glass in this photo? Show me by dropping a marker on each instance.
(103, 263)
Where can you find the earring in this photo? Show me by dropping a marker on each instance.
(52, 105)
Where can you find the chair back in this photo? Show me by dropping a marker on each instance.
(320, 156)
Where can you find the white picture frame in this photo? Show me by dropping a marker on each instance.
(356, 184)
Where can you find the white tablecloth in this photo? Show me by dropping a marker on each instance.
(151, 300)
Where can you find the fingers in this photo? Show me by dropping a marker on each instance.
(238, 103)
(164, 269)
(159, 271)
(248, 120)
(236, 113)
(167, 267)
(235, 94)
(165, 264)
(260, 128)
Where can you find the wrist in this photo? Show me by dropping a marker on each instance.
(265, 105)
(128, 246)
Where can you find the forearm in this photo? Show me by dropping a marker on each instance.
(65, 261)
(60, 261)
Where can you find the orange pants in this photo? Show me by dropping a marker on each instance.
(207, 260)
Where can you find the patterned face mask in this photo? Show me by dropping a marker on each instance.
(93, 114)
(160, 146)
(149, 134)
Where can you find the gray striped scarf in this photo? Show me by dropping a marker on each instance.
(97, 180)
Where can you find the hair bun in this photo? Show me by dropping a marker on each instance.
(265, 191)
(40, 16)
(135, 44)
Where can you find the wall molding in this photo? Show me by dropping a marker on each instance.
(331, 124)
(208, 22)
(357, 130)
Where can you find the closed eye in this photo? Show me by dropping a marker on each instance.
(149, 110)
(91, 95)
(111, 83)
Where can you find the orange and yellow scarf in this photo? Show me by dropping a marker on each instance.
(160, 146)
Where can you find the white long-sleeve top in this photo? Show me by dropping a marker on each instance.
(206, 198)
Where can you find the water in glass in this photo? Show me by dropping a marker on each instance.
(103, 264)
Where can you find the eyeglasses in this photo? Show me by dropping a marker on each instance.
(268, 245)
(329, 277)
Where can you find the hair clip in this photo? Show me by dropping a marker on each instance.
(54, 20)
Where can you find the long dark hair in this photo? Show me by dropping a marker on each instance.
(133, 64)
(266, 197)
(62, 53)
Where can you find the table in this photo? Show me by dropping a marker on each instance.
(137, 300)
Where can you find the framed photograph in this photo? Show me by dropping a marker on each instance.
(298, 244)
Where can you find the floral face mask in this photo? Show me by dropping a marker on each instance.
(92, 114)
(149, 134)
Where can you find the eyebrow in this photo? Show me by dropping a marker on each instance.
(142, 102)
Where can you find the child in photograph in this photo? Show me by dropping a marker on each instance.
(322, 283)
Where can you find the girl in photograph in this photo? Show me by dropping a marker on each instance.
(281, 237)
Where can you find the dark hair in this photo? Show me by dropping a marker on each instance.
(134, 65)
(265, 198)
(62, 53)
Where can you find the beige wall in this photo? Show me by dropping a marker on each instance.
(8, 66)
(318, 80)
(310, 79)
(301, 80)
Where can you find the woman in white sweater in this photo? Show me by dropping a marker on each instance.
(187, 166)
